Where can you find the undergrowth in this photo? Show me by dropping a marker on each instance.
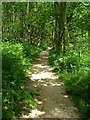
(73, 69)
(16, 60)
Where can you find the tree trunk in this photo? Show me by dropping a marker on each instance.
(66, 33)
(61, 30)
(88, 96)
(27, 27)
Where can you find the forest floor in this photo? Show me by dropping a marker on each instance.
(52, 101)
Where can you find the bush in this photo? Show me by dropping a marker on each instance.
(14, 71)
(73, 70)
(31, 51)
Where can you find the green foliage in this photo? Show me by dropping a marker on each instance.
(31, 51)
(14, 63)
(73, 69)
(15, 69)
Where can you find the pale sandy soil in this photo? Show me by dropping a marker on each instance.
(53, 101)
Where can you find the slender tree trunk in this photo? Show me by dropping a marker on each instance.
(27, 27)
(88, 96)
(57, 39)
(66, 33)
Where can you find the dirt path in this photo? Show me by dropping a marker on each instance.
(53, 101)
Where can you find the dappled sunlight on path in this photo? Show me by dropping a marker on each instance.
(53, 101)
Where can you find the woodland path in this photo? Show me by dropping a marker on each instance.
(53, 101)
